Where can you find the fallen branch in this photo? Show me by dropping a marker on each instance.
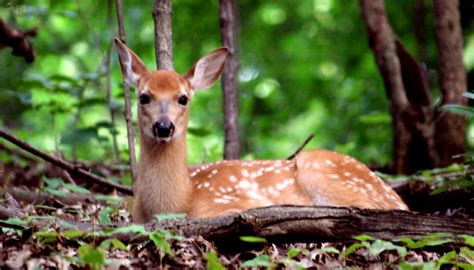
(71, 168)
(301, 147)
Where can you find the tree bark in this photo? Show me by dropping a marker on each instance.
(229, 28)
(406, 85)
(128, 106)
(450, 128)
(293, 224)
(382, 42)
(162, 13)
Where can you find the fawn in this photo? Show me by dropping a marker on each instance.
(166, 185)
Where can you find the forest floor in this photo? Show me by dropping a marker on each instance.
(41, 213)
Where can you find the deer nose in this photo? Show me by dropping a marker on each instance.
(163, 128)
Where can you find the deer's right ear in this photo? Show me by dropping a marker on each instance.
(132, 67)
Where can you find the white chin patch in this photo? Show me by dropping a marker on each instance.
(164, 140)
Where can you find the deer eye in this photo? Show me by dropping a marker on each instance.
(183, 100)
(144, 99)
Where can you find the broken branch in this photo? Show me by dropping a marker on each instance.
(71, 168)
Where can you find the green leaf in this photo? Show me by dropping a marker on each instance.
(293, 252)
(108, 198)
(104, 215)
(468, 253)
(380, 246)
(161, 242)
(253, 239)
(134, 228)
(56, 192)
(105, 245)
(468, 239)
(459, 109)
(468, 95)
(73, 234)
(434, 239)
(417, 266)
(161, 217)
(447, 258)
(92, 256)
(76, 189)
(330, 250)
(17, 222)
(46, 237)
(364, 237)
(53, 183)
(261, 260)
(354, 247)
(213, 262)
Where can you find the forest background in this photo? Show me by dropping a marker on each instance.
(304, 67)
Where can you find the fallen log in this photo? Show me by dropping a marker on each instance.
(298, 224)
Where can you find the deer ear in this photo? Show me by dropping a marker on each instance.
(207, 70)
(132, 67)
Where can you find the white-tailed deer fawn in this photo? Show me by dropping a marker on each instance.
(165, 184)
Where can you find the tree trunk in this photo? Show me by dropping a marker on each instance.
(229, 22)
(128, 106)
(450, 128)
(162, 12)
(406, 84)
(382, 43)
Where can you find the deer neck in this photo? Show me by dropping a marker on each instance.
(163, 176)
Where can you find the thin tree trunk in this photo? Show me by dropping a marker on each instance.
(382, 42)
(128, 110)
(108, 89)
(407, 88)
(450, 128)
(229, 26)
(419, 27)
(162, 13)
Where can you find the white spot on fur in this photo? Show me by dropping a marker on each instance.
(232, 178)
(330, 163)
(244, 184)
(269, 169)
(256, 196)
(221, 201)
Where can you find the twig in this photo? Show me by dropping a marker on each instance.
(301, 147)
(229, 25)
(63, 164)
(128, 106)
(162, 12)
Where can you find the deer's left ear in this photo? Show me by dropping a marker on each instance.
(207, 70)
(132, 67)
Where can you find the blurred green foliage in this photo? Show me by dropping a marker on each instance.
(305, 67)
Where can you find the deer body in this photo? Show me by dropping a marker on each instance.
(166, 185)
